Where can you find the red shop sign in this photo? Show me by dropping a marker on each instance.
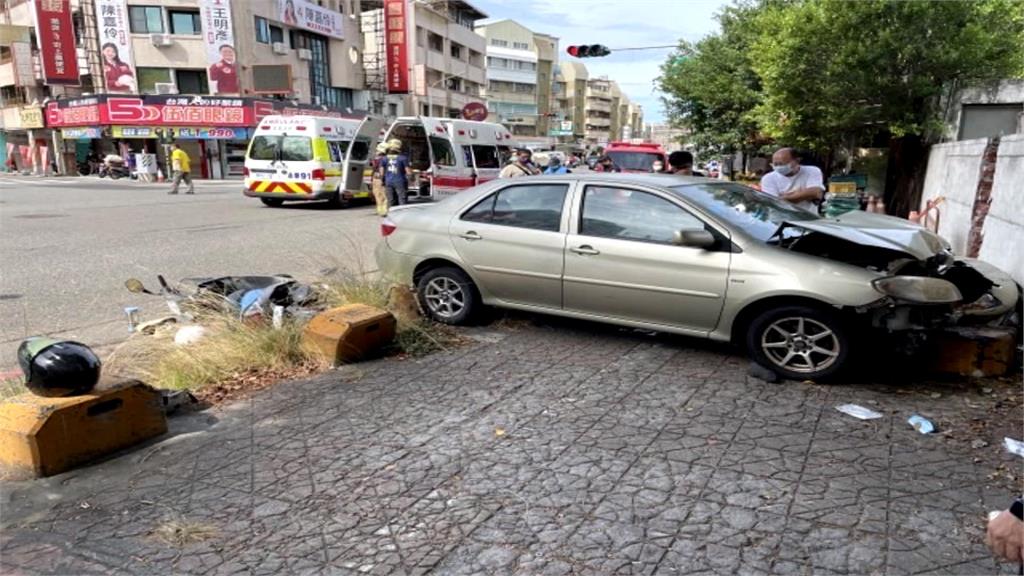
(397, 46)
(56, 34)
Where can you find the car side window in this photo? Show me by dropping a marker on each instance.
(624, 214)
(533, 206)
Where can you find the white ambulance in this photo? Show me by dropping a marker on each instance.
(449, 155)
(302, 158)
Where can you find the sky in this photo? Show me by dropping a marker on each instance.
(616, 24)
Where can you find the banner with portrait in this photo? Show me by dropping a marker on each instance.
(304, 14)
(116, 46)
(219, 38)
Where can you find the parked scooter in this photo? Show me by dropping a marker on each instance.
(114, 166)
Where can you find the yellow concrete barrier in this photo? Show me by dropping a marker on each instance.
(349, 332)
(46, 436)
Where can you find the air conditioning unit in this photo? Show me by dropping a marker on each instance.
(280, 48)
(165, 88)
(160, 39)
(305, 54)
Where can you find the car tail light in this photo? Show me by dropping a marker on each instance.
(245, 170)
(387, 226)
(318, 174)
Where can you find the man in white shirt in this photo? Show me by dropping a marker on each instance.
(799, 185)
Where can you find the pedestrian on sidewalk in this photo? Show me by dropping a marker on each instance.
(182, 170)
(523, 166)
(396, 174)
(377, 179)
(799, 185)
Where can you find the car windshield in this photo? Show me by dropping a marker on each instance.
(641, 161)
(756, 213)
(291, 148)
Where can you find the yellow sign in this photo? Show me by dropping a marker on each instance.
(842, 187)
(31, 117)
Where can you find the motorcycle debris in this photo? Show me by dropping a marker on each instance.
(859, 412)
(978, 444)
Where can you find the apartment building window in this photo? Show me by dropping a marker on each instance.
(191, 81)
(5, 54)
(145, 19)
(149, 77)
(530, 66)
(521, 45)
(524, 88)
(12, 94)
(185, 22)
(435, 42)
(456, 51)
(262, 30)
(499, 43)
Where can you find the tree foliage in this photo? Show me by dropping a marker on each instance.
(816, 72)
(711, 87)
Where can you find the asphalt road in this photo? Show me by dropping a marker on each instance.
(68, 244)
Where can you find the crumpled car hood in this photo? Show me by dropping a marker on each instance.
(879, 230)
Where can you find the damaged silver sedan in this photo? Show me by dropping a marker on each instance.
(690, 256)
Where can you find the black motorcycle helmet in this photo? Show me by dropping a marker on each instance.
(56, 368)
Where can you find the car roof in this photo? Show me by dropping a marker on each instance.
(662, 180)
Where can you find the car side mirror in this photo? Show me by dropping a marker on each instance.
(694, 238)
(134, 285)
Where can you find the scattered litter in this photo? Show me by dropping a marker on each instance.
(1014, 446)
(921, 424)
(935, 395)
(979, 443)
(858, 412)
(132, 312)
(151, 326)
(189, 335)
(84, 505)
(174, 399)
(986, 390)
(499, 432)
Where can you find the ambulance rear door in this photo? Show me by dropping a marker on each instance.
(450, 173)
(359, 150)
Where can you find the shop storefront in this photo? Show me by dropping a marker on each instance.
(25, 140)
(214, 131)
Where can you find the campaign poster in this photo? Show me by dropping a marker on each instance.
(219, 38)
(115, 46)
(304, 14)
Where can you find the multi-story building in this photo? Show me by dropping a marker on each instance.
(199, 71)
(633, 128)
(571, 82)
(598, 111)
(520, 67)
(669, 137)
(445, 68)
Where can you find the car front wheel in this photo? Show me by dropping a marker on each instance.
(799, 342)
(448, 295)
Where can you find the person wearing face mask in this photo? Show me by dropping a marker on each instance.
(523, 166)
(799, 185)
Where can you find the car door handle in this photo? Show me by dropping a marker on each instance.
(471, 235)
(586, 249)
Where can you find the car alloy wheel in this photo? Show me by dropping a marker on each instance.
(448, 295)
(445, 298)
(801, 345)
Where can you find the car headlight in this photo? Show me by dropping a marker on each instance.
(919, 289)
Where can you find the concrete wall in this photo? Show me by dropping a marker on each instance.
(953, 172)
(1003, 243)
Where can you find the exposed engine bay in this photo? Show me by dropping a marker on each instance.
(982, 295)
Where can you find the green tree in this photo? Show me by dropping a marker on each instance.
(711, 88)
(833, 70)
(823, 73)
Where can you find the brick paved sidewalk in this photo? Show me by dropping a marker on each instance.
(570, 449)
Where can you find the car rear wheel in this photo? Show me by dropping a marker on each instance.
(272, 202)
(799, 342)
(449, 296)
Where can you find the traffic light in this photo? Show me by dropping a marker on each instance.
(588, 50)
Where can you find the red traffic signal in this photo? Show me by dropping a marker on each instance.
(588, 50)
